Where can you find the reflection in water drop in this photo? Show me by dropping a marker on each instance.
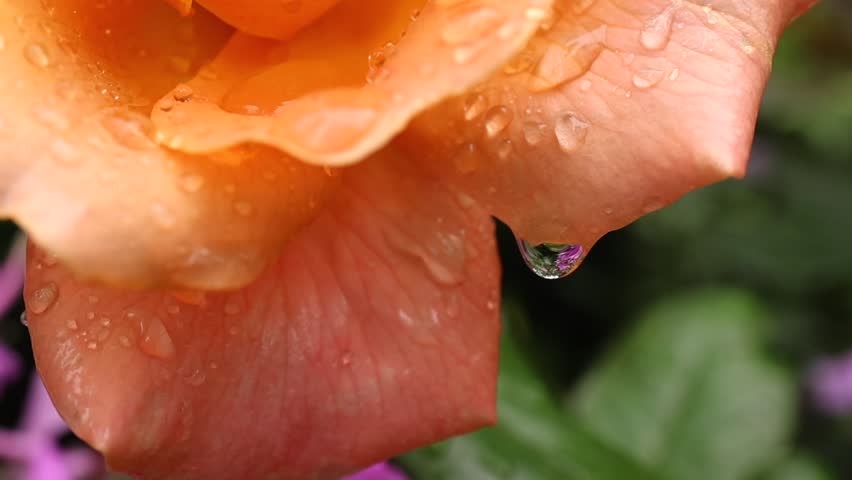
(551, 260)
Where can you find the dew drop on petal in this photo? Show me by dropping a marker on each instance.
(645, 78)
(657, 30)
(571, 131)
(474, 105)
(550, 260)
(36, 54)
(43, 298)
(192, 183)
(24, 320)
(155, 340)
(496, 120)
(534, 132)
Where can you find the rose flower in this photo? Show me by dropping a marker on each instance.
(262, 235)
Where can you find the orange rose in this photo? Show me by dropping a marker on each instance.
(329, 188)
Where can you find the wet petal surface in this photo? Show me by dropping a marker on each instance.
(80, 168)
(374, 333)
(614, 110)
(336, 106)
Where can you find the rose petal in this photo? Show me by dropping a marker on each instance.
(374, 333)
(81, 174)
(615, 110)
(184, 7)
(256, 91)
(269, 18)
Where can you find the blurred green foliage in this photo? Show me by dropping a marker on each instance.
(743, 284)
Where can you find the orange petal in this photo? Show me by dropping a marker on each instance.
(614, 110)
(81, 175)
(269, 18)
(184, 7)
(375, 332)
(256, 91)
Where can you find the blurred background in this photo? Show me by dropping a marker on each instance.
(711, 340)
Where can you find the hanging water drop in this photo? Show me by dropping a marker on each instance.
(24, 320)
(551, 260)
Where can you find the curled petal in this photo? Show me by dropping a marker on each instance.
(614, 110)
(315, 103)
(375, 332)
(79, 168)
(269, 18)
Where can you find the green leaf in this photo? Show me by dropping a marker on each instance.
(799, 467)
(534, 440)
(690, 393)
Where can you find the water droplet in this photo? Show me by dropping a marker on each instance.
(195, 378)
(657, 30)
(550, 260)
(465, 200)
(43, 298)
(674, 74)
(92, 345)
(346, 359)
(130, 129)
(154, 339)
(466, 159)
(496, 120)
(647, 77)
(166, 104)
(182, 93)
(470, 24)
(504, 150)
(520, 63)
(474, 105)
(712, 18)
(534, 132)
(562, 63)
(376, 62)
(23, 319)
(192, 183)
(585, 85)
(50, 260)
(36, 55)
(571, 131)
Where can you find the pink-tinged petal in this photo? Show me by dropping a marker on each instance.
(615, 110)
(374, 333)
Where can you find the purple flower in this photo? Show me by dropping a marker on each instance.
(379, 471)
(32, 450)
(568, 258)
(830, 383)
